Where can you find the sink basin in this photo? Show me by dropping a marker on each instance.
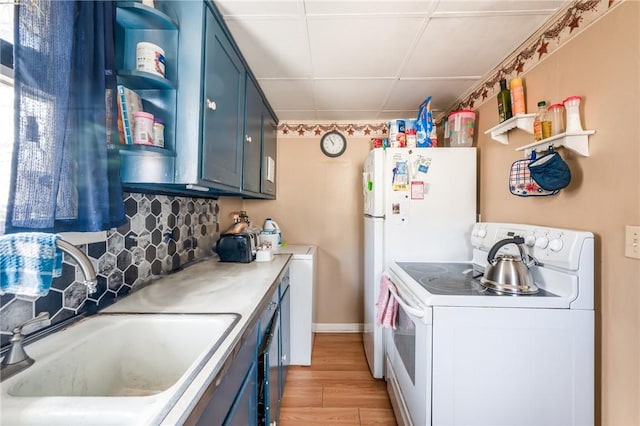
(117, 355)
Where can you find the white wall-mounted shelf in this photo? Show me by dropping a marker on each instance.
(576, 141)
(520, 121)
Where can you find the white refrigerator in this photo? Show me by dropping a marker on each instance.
(419, 205)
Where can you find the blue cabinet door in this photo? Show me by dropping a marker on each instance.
(252, 139)
(223, 108)
(244, 411)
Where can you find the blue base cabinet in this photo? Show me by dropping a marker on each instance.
(273, 354)
(232, 397)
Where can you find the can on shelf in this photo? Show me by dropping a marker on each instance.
(150, 58)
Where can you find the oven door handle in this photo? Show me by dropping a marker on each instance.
(418, 313)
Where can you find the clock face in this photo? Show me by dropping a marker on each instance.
(333, 144)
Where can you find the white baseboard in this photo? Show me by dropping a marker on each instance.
(332, 327)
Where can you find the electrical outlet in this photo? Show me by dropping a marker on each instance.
(632, 242)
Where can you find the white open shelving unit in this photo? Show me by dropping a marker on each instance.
(576, 141)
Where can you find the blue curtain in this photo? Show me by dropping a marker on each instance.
(64, 176)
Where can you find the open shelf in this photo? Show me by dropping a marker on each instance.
(520, 121)
(136, 15)
(143, 80)
(575, 141)
(147, 150)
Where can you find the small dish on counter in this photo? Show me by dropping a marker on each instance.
(264, 254)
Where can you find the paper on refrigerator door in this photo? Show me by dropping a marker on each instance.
(399, 208)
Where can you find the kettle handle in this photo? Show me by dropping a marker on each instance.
(494, 250)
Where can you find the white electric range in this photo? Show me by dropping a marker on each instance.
(463, 355)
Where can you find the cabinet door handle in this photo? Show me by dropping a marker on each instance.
(248, 138)
(211, 105)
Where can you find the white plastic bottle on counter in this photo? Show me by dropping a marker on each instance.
(271, 225)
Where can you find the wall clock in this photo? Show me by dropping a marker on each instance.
(333, 144)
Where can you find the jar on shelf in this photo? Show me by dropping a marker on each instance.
(158, 132)
(143, 128)
(556, 113)
(541, 123)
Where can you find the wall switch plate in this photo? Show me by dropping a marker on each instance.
(632, 242)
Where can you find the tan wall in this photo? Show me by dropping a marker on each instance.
(319, 199)
(603, 65)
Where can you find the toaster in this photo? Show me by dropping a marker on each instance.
(240, 247)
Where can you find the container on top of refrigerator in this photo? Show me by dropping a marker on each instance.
(397, 135)
(461, 124)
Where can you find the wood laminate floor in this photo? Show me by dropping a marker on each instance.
(337, 389)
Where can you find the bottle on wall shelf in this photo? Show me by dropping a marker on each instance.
(518, 105)
(542, 123)
(504, 102)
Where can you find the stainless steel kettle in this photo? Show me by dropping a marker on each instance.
(507, 273)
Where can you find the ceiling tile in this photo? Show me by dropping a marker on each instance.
(351, 94)
(363, 7)
(497, 5)
(296, 115)
(288, 94)
(273, 47)
(397, 114)
(341, 115)
(468, 46)
(260, 7)
(360, 46)
(407, 94)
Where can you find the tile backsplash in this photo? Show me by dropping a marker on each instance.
(162, 234)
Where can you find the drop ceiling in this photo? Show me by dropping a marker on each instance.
(365, 60)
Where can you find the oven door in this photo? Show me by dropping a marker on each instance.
(409, 352)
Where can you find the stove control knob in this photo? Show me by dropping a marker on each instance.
(542, 242)
(556, 244)
(530, 240)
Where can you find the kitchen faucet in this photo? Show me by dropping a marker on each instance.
(16, 358)
(90, 279)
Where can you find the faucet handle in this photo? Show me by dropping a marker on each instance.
(16, 353)
(43, 316)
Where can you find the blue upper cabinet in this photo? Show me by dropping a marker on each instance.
(218, 125)
(220, 108)
(252, 140)
(223, 108)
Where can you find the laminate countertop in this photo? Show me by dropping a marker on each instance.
(206, 287)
